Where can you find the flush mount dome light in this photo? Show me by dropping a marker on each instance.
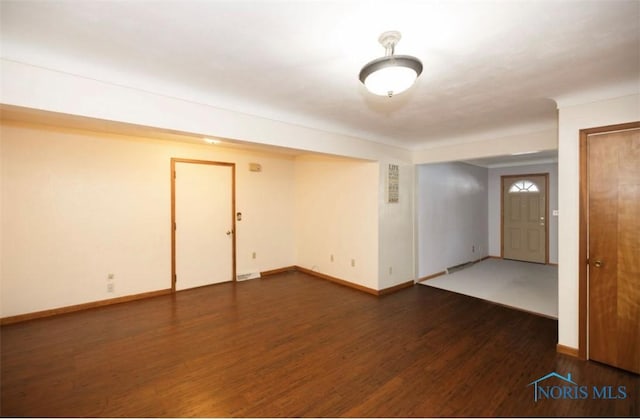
(391, 74)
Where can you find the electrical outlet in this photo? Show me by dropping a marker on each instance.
(353, 262)
(331, 257)
(110, 288)
(253, 256)
(473, 248)
(390, 270)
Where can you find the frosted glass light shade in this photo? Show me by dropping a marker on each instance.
(388, 76)
(390, 80)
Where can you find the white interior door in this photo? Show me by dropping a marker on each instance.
(203, 224)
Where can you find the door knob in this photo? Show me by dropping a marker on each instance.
(598, 264)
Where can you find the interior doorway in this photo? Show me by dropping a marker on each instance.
(524, 220)
(609, 245)
(202, 223)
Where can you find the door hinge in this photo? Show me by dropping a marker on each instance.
(175, 226)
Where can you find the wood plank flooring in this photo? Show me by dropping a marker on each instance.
(291, 345)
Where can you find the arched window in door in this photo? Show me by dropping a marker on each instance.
(523, 186)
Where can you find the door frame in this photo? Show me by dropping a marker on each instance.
(546, 211)
(583, 233)
(173, 213)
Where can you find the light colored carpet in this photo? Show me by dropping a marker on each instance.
(528, 286)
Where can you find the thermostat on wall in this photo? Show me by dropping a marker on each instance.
(255, 167)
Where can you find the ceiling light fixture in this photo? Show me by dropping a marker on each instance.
(391, 74)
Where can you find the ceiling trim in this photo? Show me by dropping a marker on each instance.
(484, 136)
(601, 93)
(546, 161)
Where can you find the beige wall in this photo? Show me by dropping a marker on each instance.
(79, 205)
(337, 214)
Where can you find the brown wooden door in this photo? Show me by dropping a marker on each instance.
(524, 218)
(613, 164)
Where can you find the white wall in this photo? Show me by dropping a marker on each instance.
(494, 204)
(79, 205)
(452, 215)
(573, 118)
(396, 228)
(336, 204)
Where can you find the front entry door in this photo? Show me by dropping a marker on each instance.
(203, 223)
(524, 218)
(613, 165)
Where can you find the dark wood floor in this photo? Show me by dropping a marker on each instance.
(291, 345)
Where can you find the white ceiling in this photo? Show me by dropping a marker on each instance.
(488, 65)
